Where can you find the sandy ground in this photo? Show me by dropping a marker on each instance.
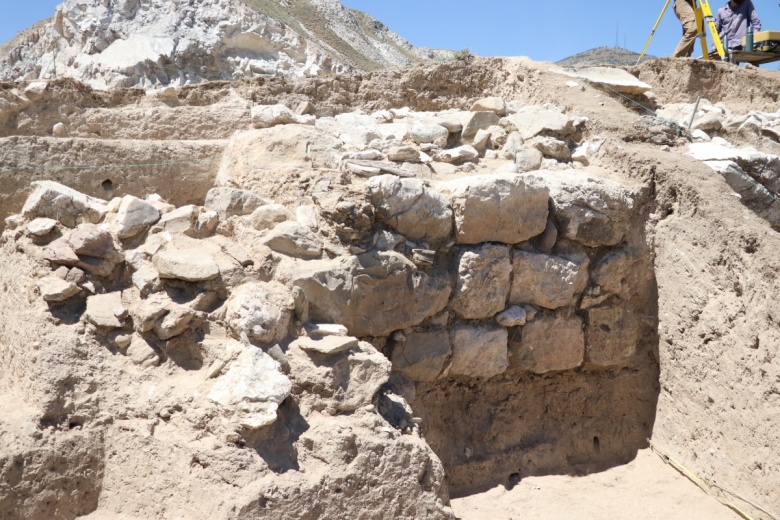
(645, 489)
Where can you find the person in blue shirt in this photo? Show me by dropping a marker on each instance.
(732, 23)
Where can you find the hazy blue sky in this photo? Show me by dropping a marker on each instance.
(543, 30)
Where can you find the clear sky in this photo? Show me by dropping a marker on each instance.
(544, 30)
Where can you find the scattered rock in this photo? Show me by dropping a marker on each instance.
(106, 310)
(41, 227)
(228, 202)
(134, 216)
(265, 116)
(69, 207)
(141, 353)
(251, 389)
(293, 239)
(267, 216)
(457, 155)
(54, 289)
(191, 265)
(425, 133)
(490, 104)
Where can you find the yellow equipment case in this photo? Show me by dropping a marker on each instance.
(765, 41)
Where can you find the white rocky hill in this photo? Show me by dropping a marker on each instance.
(147, 43)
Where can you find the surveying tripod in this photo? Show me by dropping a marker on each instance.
(703, 12)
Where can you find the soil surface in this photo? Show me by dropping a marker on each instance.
(645, 488)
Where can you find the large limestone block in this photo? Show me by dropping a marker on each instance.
(232, 201)
(614, 335)
(590, 209)
(546, 280)
(497, 208)
(249, 156)
(50, 199)
(260, 311)
(191, 265)
(134, 216)
(533, 120)
(549, 343)
(412, 209)
(483, 284)
(478, 350)
(422, 356)
(251, 390)
(613, 273)
(293, 239)
(372, 294)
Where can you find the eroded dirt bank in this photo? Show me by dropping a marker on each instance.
(670, 332)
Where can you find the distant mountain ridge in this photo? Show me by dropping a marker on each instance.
(604, 56)
(126, 43)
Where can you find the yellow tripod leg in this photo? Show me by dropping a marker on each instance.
(652, 33)
(710, 20)
(697, 11)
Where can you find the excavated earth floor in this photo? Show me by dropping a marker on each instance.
(679, 351)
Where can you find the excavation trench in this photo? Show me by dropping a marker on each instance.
(673, 337)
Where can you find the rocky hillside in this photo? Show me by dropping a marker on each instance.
(307, 298)
(133, 43)
(604, 56)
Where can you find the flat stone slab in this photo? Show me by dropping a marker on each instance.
(318, 330)
(327, 345)
(616, 79)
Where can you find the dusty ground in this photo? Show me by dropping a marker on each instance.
(646, 488)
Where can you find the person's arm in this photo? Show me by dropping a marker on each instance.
(754, 20)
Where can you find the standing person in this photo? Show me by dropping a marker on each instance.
(732, 22)
(684, 11)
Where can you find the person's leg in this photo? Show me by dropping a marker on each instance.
(684, 12)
